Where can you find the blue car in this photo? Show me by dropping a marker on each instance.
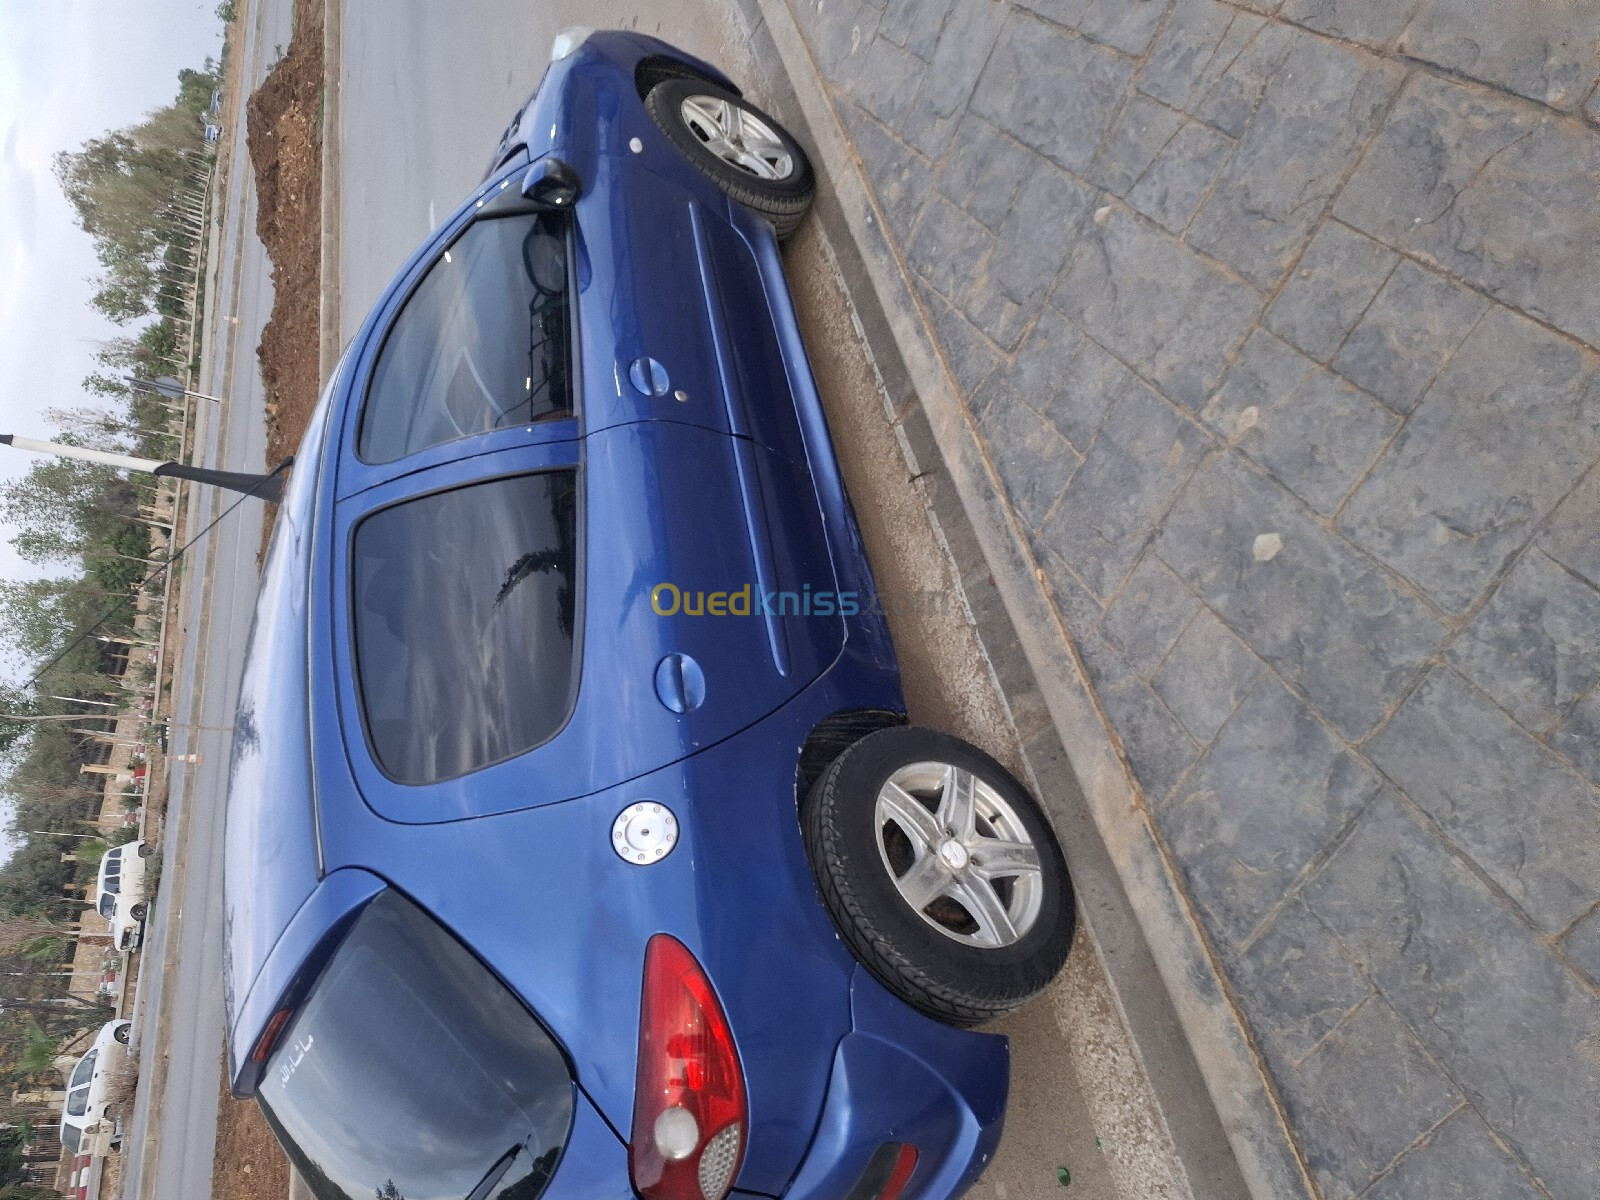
(577, 843)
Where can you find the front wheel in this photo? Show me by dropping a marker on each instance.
(745, 152)
(137, 912)
(941, 872)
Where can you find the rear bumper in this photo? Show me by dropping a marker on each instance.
(900, 1077)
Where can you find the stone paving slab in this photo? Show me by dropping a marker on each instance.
(1276, 323)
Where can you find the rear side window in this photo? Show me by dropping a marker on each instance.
(465, 606)
(484, 342)
(411, 1071)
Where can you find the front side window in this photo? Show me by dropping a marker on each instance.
(412, 1072)
(464, 605)
(84, 1070)
(78, 1102)
(108, 906)
(483, 343)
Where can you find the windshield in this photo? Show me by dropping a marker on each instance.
(412, 1073)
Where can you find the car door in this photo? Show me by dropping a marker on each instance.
(662, 505)
(472, 350)
(649, 342)
(531, 625)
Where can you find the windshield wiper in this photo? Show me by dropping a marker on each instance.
(489, 1182)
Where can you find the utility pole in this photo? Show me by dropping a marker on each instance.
(268, 487)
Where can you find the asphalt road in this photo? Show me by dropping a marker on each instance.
(172, 1132)
(425, 90)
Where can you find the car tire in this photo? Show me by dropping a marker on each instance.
(781, 194)
(985, 942)
(138, 911)
(146, 849)
(122, 1033)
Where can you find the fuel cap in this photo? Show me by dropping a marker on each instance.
(644, 833)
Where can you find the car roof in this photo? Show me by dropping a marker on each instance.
(271, 861)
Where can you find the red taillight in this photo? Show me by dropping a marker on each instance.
(269, 1035)
(905, 1162)
(689, 1115)
(886, 1174)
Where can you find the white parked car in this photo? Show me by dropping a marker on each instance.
(86, 1125)
(120, 895)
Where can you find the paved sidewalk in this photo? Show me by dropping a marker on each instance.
(1277, 321)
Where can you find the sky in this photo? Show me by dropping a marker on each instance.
(70, 70)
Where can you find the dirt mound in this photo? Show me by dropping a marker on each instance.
(284, 126)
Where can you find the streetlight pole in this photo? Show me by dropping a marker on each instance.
(267, 487)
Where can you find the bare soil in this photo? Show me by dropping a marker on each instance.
(284, 127)
(285, 137)
(250, 1165)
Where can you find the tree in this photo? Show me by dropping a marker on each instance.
(34, 871)
(19, 933)
(124, 187)
(39, 1050)
(69, 497)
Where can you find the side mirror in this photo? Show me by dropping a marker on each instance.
(551, 183)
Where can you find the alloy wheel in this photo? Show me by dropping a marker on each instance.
(738, 137)
(959, 854)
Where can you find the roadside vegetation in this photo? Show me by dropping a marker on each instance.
(95, 534)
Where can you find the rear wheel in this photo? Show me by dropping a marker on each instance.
(121, 1033)
(744, 151)
(146, 850)
(941, 872)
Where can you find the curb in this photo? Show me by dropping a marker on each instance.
(328, 347)
(1202, 1069)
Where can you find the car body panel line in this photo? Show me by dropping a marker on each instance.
(755, 516)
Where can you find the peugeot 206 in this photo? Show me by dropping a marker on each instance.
(577, 842)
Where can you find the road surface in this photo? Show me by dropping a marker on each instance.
(179, 1025)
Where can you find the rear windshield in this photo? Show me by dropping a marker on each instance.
(464, 610)
(484, 342)
(412, 1072)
